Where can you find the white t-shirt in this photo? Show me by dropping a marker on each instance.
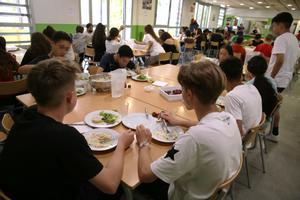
(207, 155)
(156, 48)
(89, 37)
(70, 55)
(112, 46)
(244, 103)
(286, 44)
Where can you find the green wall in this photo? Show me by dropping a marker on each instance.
(137, 32)
(69, 28)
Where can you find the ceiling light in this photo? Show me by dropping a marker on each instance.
(268, 6)
(215, 1)
(228, 5)
(251, 8)
(259, 2)
(293, 8)
(242, 4)
(289, 5)
(222, 5)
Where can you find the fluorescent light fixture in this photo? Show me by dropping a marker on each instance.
(222, 5)
(251, 8)
(242, 4)
(289, 5)
(259, 2)
(227, 5)
(268, 6)
(293, 8)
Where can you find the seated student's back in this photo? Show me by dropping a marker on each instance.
(243, 101)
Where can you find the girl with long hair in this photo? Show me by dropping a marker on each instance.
(98, 41)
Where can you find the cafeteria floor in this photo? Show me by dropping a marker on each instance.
(282, 178)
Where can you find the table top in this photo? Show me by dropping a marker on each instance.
(134, 100)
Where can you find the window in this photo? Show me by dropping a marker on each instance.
(15, 22)
(168, 16)
(202, 15)
(221, 17)
(112, 13)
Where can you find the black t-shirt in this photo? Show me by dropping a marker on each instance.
(27, 58)
(109, 64)
(45, 159)
(39, 59)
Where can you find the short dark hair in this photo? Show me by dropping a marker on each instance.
(205, 79)
(228, 49)
(79, 29)
(188, 33)
(257, 65)
(88, 25)
(48, 80)
(285, 18)
(49, 31)
(257, 36)
(232, 67)
(239, 39)
(60, 35)
(2, 43)
(113, 33)
(125, 51)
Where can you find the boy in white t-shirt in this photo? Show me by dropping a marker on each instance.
(210, 151)
(283, 59)
(243, 101)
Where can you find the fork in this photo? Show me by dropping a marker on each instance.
(165, 125)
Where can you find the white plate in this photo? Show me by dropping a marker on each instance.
(159, 133)
(88, 119)
(136, 79)
(220, 101)
(134, 119)
(131, 73)
(80, 91)
(102, 131)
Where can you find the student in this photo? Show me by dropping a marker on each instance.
(193, 25)
(243, 101)
(39, 46)
(153, 45)
(89, 33)
(284, 56)
(217, 37)
(170, 45)
(266, 86)
(298, 35)
(225, 52)
(58, 163)
(160, 32)
(210, 151)
(199, 37)
(188, 37)
(112, 42)
(266, 48)
(60, 45)
(80, 42)
(182, 31)
(8, 63)
(238, 48)
(257, 40)
(121, 59)
(99, 38)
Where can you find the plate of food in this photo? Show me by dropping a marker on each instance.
(161, 134)
(101, 139)
(135, 119)
(103, 118)
(140, 77)
(80, 91)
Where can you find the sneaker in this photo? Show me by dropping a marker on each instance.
(272, 138)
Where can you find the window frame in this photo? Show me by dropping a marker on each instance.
(168, 25)
(223, 18)
(16, 25)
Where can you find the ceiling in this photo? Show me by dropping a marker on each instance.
(278, 5)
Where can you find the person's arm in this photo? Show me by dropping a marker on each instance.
(108, 179)
(175, 121)
(232, 106)
(278, 64)
(144, 137)
(25, 69)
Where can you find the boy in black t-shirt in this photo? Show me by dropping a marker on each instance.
(46, 159)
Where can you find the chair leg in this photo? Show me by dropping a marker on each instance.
(261, 154)
(265, 143)
(231, 191)
(247, 172)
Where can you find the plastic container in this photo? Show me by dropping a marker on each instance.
(171, 97)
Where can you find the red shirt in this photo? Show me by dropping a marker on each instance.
(265, 49)
(239, 49)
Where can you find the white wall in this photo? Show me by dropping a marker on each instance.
(187, 15)
(141, 16)
(55, 11)
(214, 15)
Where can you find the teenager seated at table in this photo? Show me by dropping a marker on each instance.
(153, 45)
(121, 59)
(257, 40)
(170, 45)
(182, 31)
(266, 86)
(39, 46)
(224, 53)
(160, 32)
(89, 32)
(243, 101)
(239, 49)
(60, 45)
(217, 37)
(8, 63)
(99, 38)
(199, 38)
(266, 48)
(112, 42)
(58, 163)
(80, 41)
(210, 151)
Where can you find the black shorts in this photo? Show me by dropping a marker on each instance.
(280, 89)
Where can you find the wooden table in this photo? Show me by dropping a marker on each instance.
(134, 100)
(140, 53)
